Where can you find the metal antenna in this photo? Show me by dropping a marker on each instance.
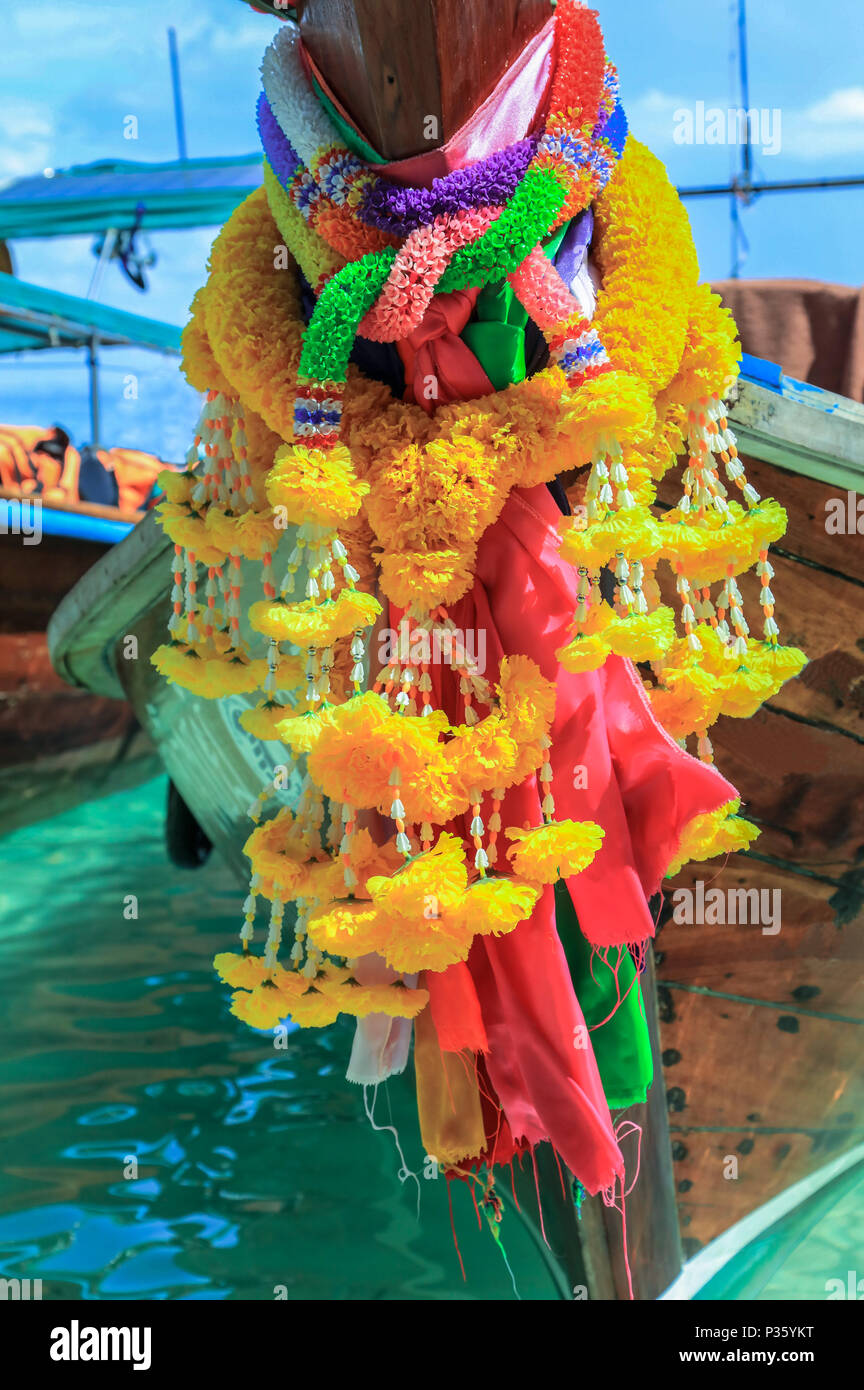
(743, 187)
(179, 120)
(742, 179)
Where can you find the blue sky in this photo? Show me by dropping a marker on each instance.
(71, 71)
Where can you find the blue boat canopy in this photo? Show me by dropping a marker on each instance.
(94, 198)
(33, 317)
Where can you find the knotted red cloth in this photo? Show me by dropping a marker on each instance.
(516, 995)
(439, 367)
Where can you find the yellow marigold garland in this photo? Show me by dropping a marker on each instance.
(410, 496)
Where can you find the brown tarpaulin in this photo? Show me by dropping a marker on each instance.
(813, 330)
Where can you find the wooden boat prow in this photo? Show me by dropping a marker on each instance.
(759, 1034)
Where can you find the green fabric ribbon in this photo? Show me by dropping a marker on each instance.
(352, 139)
(622, 1045)
(496, 332)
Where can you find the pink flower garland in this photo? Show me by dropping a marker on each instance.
(541, 291)
(418, 267)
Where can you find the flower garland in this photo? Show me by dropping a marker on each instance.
(293, 439)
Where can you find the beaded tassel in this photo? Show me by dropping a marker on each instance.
(191, 599)
(688, 613)
(247, 931)
(477, 831)
(547, 805)
(397, 813)
(177, 568)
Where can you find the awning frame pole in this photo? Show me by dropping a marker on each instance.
(95, 412)
(108, 244)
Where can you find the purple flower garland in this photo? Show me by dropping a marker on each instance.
(398, 209)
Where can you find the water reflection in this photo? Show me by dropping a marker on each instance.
(152, 1145)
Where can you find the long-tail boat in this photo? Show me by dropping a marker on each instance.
(58, 746)
(755, 1034)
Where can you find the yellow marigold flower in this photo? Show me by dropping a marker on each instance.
(432, 943)
(689, 703)
(240, 971)
(712, 358)
(643, 314)
(263, 721)
(325, 881)
(431, 882)
(340, 761)
(395, 1000)
(549, 852)
(207, 673)
(599, 616)
(360, 745)
(706, 546)
(615, 403)
(780, 663)
(715, 657)
(314, 1008)
(299, 732)
(348, 929)
(527, 698)
(234, 675)
(290, 673)
(758, 677)
(418, 907)
(584, 654)
(529, 758)
(427, 578)
(278, 851)
(483, 755)
(189, 530)
(427, 786)
(263, 1007)
(177, 487)
(252, 533)
(641, 636)
(181, 665)
(633, 532)
(743, 691)
(369, 860)
(199, 366)
(494, 906)
(316, 487)
(738, 685)
(310, 624)
(718, 832)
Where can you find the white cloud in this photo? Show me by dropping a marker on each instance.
(827, 129)
(26, 135)
(841, 107)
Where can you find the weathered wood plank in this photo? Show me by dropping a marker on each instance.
(768, 1162)
(741, 958)
(801, 783)
(735, 1058)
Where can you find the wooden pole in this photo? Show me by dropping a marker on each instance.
(411, 72)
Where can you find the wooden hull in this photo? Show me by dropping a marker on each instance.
(58, 746)
(761, 1033)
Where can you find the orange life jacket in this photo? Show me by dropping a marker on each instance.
(26, 470)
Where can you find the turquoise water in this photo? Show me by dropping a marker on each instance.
(155, 1147)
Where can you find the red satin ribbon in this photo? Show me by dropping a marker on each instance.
(439, 367)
